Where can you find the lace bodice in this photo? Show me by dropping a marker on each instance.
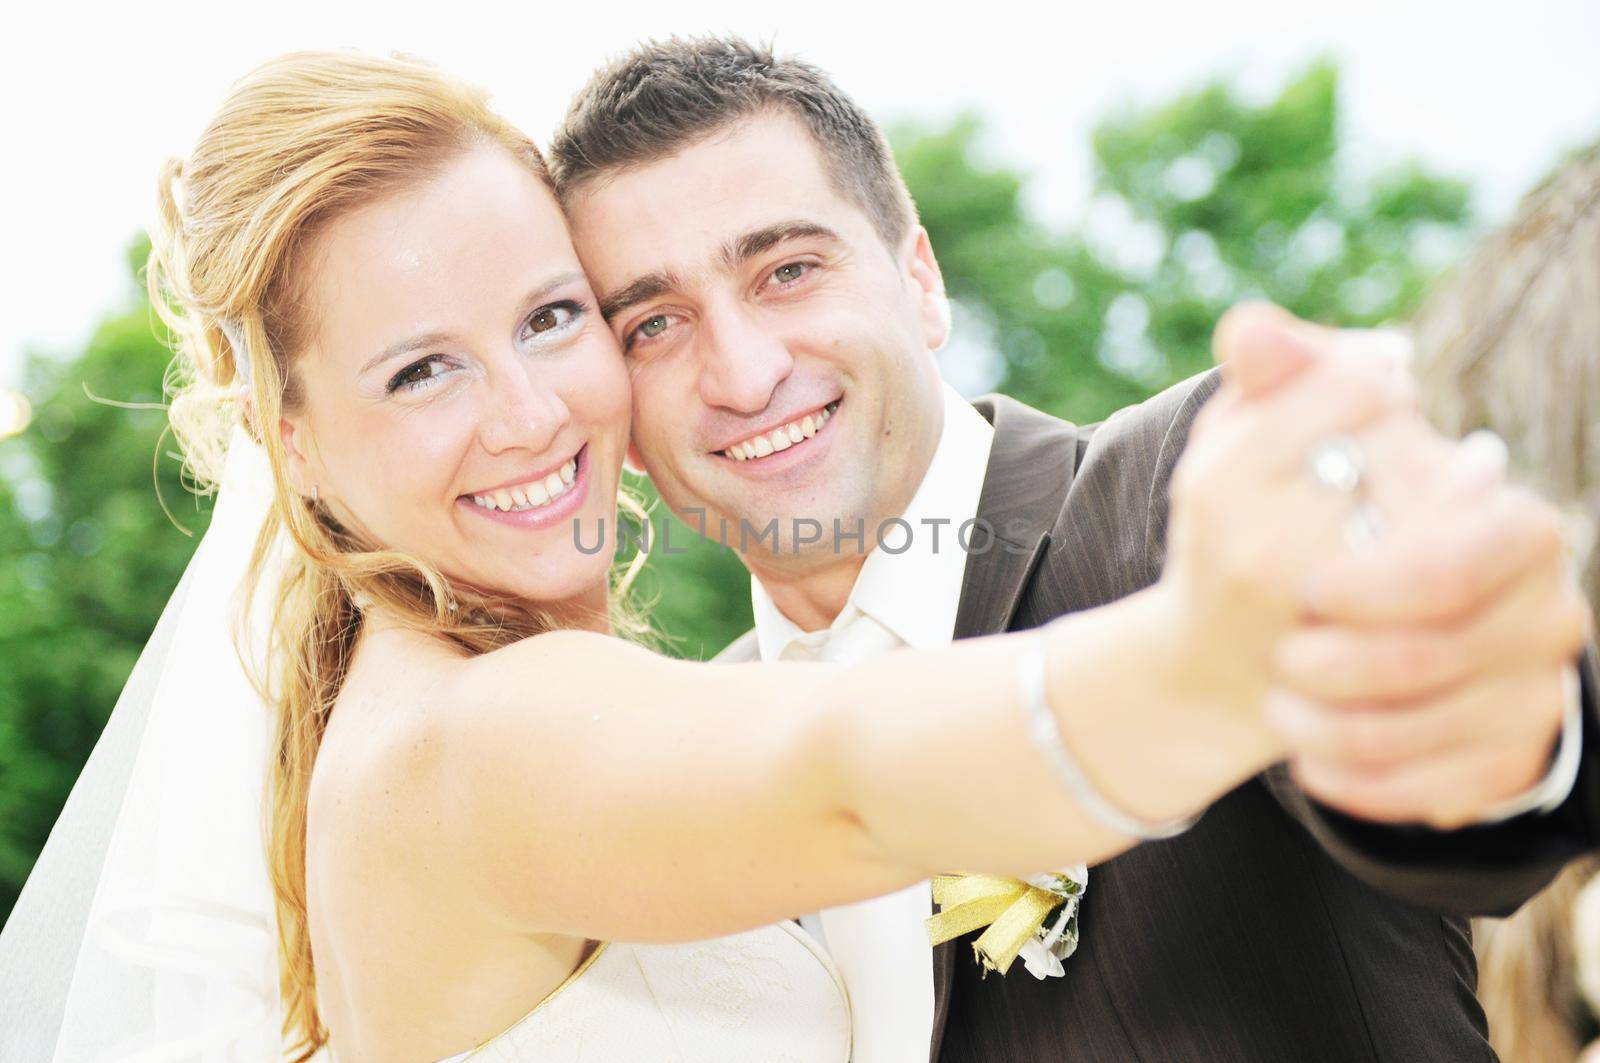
(763, 996)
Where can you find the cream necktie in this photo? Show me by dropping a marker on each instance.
(879, 946)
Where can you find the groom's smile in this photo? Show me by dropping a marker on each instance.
(790, 434)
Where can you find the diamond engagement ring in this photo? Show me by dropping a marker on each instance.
(1338, 464)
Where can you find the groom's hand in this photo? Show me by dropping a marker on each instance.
(1430, 679)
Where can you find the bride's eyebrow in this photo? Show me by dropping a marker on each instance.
(439, 336)
(406, 346)
(538, 295)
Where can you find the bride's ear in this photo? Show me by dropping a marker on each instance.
(247, 410)
(296, 450)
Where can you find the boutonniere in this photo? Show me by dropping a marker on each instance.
(1036, 918)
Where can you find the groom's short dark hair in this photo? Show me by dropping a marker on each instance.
(667, 95)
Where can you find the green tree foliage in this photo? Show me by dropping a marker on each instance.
(87, 560)
(1198, 202)
(694, 589)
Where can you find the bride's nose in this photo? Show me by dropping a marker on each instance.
(521, 412)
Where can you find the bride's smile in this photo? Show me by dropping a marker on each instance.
(543, 495)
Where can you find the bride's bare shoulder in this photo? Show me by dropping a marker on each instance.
(405, 689)
(377, 726)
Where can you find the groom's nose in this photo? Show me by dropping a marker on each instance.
(741, 362)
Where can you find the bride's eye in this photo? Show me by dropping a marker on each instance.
(417, 375)
(553, 317)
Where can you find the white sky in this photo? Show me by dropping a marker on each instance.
(1487, 90)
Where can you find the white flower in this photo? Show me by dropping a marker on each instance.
(1040, 961)
(1057, 937)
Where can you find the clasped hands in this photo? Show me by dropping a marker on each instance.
(1416, 668)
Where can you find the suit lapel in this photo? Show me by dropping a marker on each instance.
(1031, 465)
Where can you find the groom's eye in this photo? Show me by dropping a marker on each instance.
(790, 272)
(653, 326)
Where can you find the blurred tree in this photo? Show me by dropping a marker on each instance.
(694, 589)
(1198, 203)
(87, 560)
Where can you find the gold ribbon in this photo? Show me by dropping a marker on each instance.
(1012, 909)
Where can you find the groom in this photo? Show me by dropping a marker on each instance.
(753, 246)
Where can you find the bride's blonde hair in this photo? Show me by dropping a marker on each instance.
(299, 142)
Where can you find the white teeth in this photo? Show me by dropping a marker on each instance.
(530, 495)
(781, 438)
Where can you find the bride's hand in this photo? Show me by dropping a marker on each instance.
(1248, 521)
(1421, 675)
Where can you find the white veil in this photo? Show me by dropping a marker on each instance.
(146, 931)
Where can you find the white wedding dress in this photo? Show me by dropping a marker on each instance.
(769, 995)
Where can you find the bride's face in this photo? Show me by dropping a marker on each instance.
(460, 398)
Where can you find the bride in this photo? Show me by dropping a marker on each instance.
(492, 825)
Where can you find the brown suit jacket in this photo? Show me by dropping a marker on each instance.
(1274, 930)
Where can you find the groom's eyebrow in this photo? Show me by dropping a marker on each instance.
(738, 250)
(638, 290)
(744, 247)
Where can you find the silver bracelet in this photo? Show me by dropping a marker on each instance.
(1045, 731)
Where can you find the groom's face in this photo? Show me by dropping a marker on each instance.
(780, 350)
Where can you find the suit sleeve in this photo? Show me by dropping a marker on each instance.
(1488, 869)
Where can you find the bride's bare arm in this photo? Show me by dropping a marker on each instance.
(575, 784)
